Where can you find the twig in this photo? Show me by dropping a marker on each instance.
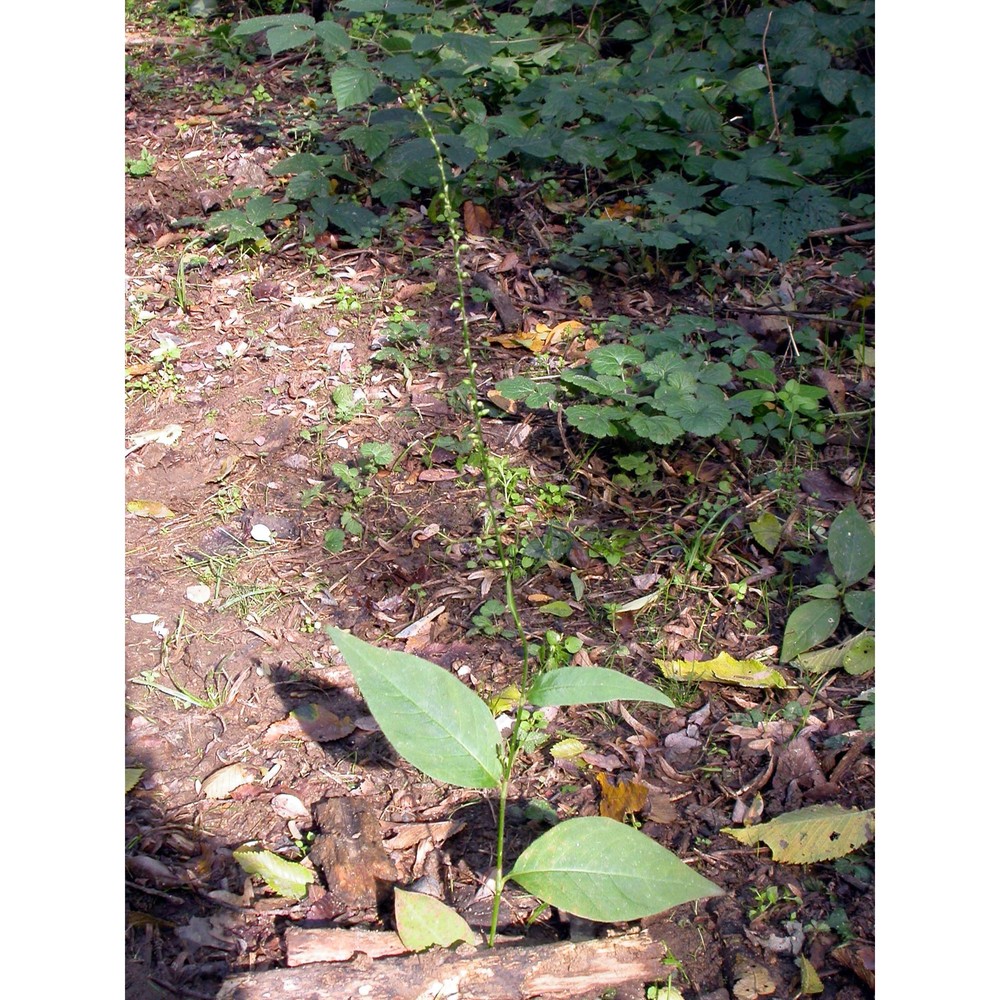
(854, 227)
(817, 317)
(776, 134)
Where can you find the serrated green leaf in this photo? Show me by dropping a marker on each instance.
(766, 531)
(132, 776)
(287, 878)
(429, 716)
(809, 625)
(816, 833)
(423, 921)
(658, 428)
(352, 85)
(612, 359)
(567, 749)
(600, 869)
(591, 420)
(590, 686)
(289, 36)
(851, 546)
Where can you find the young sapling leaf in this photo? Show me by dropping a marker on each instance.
(590, 686)
(851, 546)
(430, 717)
(601, 869)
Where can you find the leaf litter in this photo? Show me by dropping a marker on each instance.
(296, 726)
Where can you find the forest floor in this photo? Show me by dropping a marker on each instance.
(243, 543)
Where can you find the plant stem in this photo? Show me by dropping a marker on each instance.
(480, 457)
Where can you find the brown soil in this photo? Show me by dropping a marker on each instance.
(263, 342)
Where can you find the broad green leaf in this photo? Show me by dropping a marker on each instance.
(132, 776)
(860, 606)
(252, 25)
(430, 717)
(766, 531)
(287, 878)
(601, 869)
(724, 669)
(809, 625)
(851, 546)
(558, 608)
(590, 686)
(816, 833)
(819, 661)
(860, 657)
(352, 85)
(288, 36)
(659, 429)
(825, 591)
(592, 420)
(423, 921)
(333, 36)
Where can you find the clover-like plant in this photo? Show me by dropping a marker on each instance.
(594, 867)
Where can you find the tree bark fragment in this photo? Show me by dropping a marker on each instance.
(551, 972)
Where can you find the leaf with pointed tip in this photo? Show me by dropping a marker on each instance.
(430, 717)
(590, 686)
(601, 869)
(423, 921)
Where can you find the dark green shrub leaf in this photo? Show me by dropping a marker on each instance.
(860, 605)
(658, 429)
(429, 716)
(355, 220)
(851, 546)
(289, 36)
(809, 625)
(592, 420)
(766, 531)
(352, 85)
(601, 869)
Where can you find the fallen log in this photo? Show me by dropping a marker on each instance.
(514, 972)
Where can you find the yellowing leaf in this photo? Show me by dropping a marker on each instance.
(622, 210)
(567, 749)
(540, 337)
(619, 800)
(505, 700)
(286, 878)
(816, 833)
(423, 921)
(724, 669)
(149, 508)
(132, 776)
(811, 984)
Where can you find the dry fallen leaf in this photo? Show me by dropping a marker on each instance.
(476, 218)
(618, 800)
(149, 508)
(310, 722)
(220, 784)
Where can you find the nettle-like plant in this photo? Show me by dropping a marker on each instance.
(727, 130)
(594, 867)
(666, 382)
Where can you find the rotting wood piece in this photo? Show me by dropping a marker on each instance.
(559, 971)
(350, 855)
(507, 313)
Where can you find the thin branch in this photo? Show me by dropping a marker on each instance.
(776, 134)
